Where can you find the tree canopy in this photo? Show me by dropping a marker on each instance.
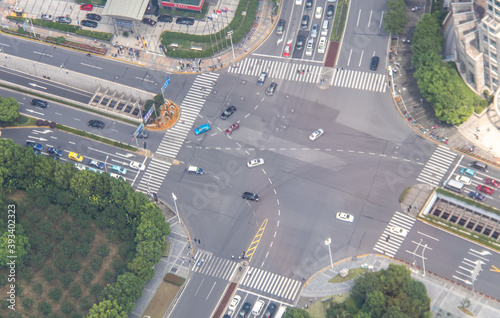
(395, 18)
(9, 109)
(294, 312)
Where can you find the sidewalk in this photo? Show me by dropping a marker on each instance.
(445, 296)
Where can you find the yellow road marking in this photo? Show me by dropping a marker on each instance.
(255, 242)
(494, 269)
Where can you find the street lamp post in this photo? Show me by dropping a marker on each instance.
(176, 210)
(230, 34)
(328, 242)
(423, 259)
(105, 162)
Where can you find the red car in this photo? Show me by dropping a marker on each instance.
(286, 51)
(485, 189)
(493, 182)
(86, 7)
(232, 128)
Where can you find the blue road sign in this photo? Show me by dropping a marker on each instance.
(146, 117)
(164, 87)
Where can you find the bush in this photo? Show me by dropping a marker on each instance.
(44, 308)
(52, 124)
(60, 40)
(86, 303)
(27, 303)
(87, 277)
(66, 279)
(67, 307)
(75, 265)
(75, 291)
(96, 263)
(125, 34)
(39, 122)
(55, 294)
(174, 279)
(49, 274)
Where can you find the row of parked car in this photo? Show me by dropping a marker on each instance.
(169, 19)
(271, 311)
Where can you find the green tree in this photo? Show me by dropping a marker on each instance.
(103, 250)
(44, 308)
(67, 307)
(294, 312)
(13, 244)
(395, 312)
(27, 303)
(37, 289)
(66, 279)
(75, 291)
(55, 294)
(87, 277)
(375, 304)
(127, 289)
(142, 268)
(9, 109)
(395, 18)
(49, 274)
(107, 309)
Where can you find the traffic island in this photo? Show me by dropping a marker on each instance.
(168, 117)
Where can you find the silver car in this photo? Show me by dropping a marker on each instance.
(314, 30)
(309, 47)
(315, 135)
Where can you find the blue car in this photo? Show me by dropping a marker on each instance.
(55, 151)
(468, 172)
(94, 170)
(34, 145)
(477, 196)
(202, 129)
(96, 164)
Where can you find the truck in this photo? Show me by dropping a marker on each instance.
(194, 170)
(281, 311)
(454, 185)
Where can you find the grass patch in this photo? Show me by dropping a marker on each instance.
(468, 201)
(353, 273)
(167, 249)
(162, 300)
(318, 309)
(403, 195)
(340, 19)
(466, 311)
(92, 136)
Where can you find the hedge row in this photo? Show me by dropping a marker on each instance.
(174, 279)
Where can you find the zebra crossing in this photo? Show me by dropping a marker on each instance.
(208, 264)
(174, 137)
(389, 243)
(273, 285)
(436, 166)
(367, 81)
(278, 70)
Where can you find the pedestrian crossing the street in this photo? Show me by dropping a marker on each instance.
(272, 285)
(436, 166)
(279, 70)
(174, 137)
(208, 264)
(368, 81)
(389, 242)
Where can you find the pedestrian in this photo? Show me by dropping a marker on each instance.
(202, 260)
(183, 258)
(232, 256)
(342, 68)
(422, 100)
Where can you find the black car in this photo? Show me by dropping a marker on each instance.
(96, 124)
(165, 18)
(304, 24)
(299, 45)
(281, 27)
(271, 89)
(88, 23)
(250, 196)
(329, 11)
(151, 22)
(228, 112)
(186, 21)
(245, 309)
(309, 5)
(39, 102)
(142, 134)
(374, 63)
(270, 311)
(93, 16)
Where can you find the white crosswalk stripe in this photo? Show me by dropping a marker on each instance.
(286, 70)
(389, 243)
(271, 284)
(206, 263)
(174, 137)
(436, 166)
(367, 81)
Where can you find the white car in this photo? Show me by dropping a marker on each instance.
(398, 230)
(255, 163)
(322, 45)
(345, 217)
(79, 166)
(319, 12)
(116, 176)
(137, 165)
(464, 179)
(310, 47)
(46, 17)
(315, 135)
(234, 303)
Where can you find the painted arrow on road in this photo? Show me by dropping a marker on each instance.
(46, 131)
(494, 269)
(128, 155)
(36, 85)
(32, 111)
(37, 138)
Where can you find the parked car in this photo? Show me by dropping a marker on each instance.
(493, 182)
(329, 11)
(262, 78)
(245, 309)
(165, 18)
(55, 151)
(345, 217)
(477, 196)
(93, 16)
(65, 20)
(228, 112)
(299, 44)
(79, 166)
(286, 51)
(185, 21)
(463, 179)
(255, 163)
(203, 128)
(96, 124)
(269, 313)
(151, 22)
(468, 172)
(117, 176)
(34, 145)
(281, 27)
(96, 164)
(250, 196)
(271, 89)
(46, 17)
(234, 303)
(374, 63)
(485, 189)
(232, 128)
(88, 23)
(315, 135)
(39, 102)
(75, 156)
(86, 7)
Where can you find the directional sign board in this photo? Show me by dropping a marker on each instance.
(148, 114)
(164, 87)
(138, 130)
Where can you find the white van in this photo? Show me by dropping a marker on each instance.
(324, 28)
(281, 312)
(298, 2)
(257, 308)
(454, 185)
(322, 45)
